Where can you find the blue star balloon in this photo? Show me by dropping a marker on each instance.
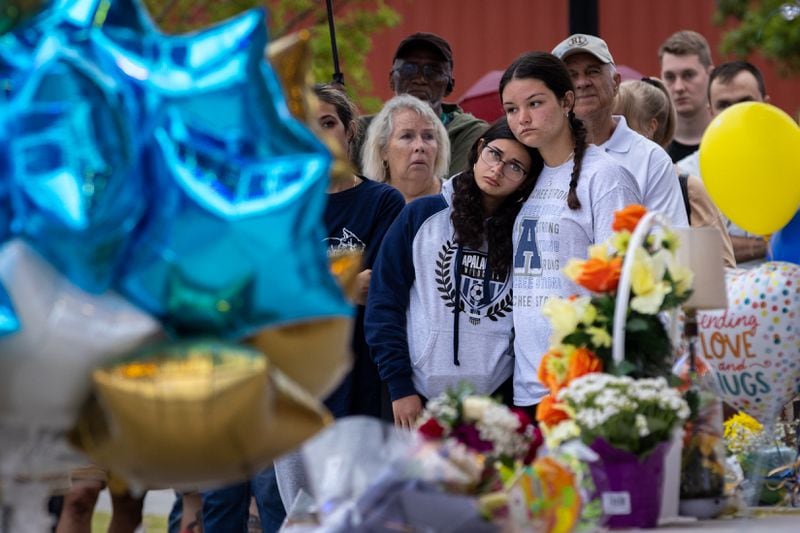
(9, 322)
(232, 241)
(15, 62)
(76, 186)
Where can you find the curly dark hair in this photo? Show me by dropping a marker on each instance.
(551, 71)
(470, 221)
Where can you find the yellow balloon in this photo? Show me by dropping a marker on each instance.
(750, 164)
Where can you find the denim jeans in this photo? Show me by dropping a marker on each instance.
(227, 510)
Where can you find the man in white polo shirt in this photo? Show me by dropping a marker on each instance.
(596, 83)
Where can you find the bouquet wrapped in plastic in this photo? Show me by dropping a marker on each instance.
(368, 476)
(470, 466)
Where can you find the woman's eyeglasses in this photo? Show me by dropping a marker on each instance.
(510, 169)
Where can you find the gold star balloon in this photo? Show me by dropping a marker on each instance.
(290, 57)
(194, 415)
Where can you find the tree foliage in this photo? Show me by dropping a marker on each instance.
(765, 26)
(356, 21)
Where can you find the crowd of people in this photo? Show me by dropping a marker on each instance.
(465, 226)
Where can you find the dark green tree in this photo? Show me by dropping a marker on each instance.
(770, 27)
(356, 22)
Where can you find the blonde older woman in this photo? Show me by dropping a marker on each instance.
(648, 109)
(407, 147)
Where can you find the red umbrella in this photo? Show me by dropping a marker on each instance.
(628, 73)
(482, 98)
(483, 101)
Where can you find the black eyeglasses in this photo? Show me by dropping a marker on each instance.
(510, 169)
(412, 70)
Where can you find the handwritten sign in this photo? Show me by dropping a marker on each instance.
(754, 345)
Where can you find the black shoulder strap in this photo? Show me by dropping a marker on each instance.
(684, 181)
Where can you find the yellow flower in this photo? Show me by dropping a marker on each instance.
(600, 337)
(574, 268)
(564, 315)
(682, 277)
(619, 241)
(557, 435)
(669, 240)
(643, 275)
(650, 302)
(742, 433)
(589, 314)
(745, 421)
(647, 282)
(599, 251)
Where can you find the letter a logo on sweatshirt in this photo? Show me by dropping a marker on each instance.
(527, 261)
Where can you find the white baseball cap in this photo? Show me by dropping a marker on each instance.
(581, 43)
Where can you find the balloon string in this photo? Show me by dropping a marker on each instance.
(768, 240)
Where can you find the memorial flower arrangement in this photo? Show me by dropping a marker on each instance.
(634, 415)
(582, 326)
(743, 434)
(516, 489)
(482, 424)
(629, 423)
(766, 456)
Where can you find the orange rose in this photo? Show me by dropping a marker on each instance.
(627, 218)
(546, 374)
(549, 412)
(582, 361)
(598, 275)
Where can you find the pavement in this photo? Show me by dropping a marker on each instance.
(761, 520)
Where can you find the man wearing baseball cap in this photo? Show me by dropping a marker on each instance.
(596, 81)
(423, 67)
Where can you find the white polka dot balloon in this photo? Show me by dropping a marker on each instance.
(754, 345)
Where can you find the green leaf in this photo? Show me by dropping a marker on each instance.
(624, 368)
(757, 26)
(635, 325)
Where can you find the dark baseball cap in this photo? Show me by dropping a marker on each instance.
(427, 40)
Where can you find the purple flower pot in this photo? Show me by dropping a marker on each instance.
(629, 487)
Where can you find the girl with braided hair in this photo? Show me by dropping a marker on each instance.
(571, 207)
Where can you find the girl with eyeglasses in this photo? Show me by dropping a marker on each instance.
(571, 207)
(439, 305)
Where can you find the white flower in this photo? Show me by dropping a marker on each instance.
(474, 407)
(499, 426)
(641, 425)
(605, 405)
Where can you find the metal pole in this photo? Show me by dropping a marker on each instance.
(583, 17)
(338, 77)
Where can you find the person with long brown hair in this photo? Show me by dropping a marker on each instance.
(439, 305)
(571, 207)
